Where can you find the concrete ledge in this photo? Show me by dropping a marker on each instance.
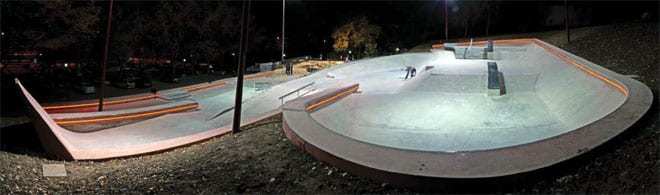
(331, 95)
(203, 86)
(126, 114)
(64, 107)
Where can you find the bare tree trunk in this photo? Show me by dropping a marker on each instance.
(568, 32)
(467, 22)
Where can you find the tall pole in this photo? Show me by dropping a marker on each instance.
(105, 57)
(283, 17)
(568, 32)
(245, 26)
(446, 24)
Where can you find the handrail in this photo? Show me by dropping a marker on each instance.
(294, 91)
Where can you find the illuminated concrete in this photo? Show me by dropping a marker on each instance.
(443, 124)
(443, 109)
(155, 134)
(448, 109)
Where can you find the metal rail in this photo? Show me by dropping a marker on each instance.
(294, 91)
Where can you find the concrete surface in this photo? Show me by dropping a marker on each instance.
(443, 108)
(443, 125)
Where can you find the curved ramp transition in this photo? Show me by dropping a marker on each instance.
(446, 123)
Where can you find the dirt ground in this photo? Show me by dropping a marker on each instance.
(261, 160)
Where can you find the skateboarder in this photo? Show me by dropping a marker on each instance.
(410, 71)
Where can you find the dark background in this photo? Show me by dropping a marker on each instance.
(404, 24)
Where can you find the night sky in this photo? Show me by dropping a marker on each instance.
(404, 24)
(309, 22)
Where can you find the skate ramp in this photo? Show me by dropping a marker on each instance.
(154, 133)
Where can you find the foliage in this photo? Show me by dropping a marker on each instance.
(56, 26)
(200, 31)
(72, 23)
(357, 34)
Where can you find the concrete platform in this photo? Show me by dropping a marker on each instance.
(442, 124)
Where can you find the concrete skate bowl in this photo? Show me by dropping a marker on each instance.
(445, 124)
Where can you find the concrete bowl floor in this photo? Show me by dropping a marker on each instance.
(446, 123)
(448, 108)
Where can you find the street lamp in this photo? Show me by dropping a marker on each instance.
(397, 50)
(184, 60)
(446, 24)
(105, 56)
(323, 49)
(283, 37)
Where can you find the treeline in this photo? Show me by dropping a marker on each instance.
(74, 31)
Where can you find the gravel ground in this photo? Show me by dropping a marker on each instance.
(262, 160)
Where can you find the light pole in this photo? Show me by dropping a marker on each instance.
(242, 53)
(323, 49)
(233, 58)
(446, 24)
(105, 56)
(568, 32)
(283, 17)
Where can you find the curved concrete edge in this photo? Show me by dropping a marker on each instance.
(57, 144)
(126, 114)
(52, 141)
(407, 167)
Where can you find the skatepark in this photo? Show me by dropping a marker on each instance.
(545, 106)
